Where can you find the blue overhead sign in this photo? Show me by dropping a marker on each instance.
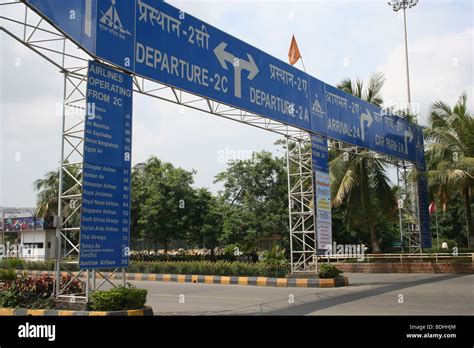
(360, 123)
(116, 32)
(105, 215)
(75, 18)
(155, 40)
(177, 49)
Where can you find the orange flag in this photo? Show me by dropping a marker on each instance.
(294, 53)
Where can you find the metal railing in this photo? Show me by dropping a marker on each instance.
(366, 258)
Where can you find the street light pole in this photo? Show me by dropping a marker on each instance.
(406, 59)
(398, 5)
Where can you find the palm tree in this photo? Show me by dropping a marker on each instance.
(450, 155)
(47, 197)
(358, 178)
(48, 192)
(370, 94)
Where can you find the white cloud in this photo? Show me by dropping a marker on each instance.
(30, 126)
(441, 67)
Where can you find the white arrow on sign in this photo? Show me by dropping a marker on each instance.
(239, 64)
(408, 135)
(365, 117)
(88, 19)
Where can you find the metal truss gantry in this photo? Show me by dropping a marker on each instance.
(25, 26)
(29, 29)
(409, 215)
(302, 218)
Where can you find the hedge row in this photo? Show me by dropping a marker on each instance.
(140, 257)
(14, 263)
(225, 268)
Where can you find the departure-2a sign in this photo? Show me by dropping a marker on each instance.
(155, 40)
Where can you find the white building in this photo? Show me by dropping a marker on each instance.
(37, 244)
(26, 236)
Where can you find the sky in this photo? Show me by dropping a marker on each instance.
(337, 39)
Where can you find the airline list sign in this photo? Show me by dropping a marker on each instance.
(105, 218)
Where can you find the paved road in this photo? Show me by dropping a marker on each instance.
(369, 294)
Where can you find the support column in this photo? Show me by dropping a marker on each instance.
(301, 206)
(408, 209)
(70, 174)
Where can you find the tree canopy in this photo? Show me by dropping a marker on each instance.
(167, 210)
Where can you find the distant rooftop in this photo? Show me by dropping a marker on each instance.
(16, 212)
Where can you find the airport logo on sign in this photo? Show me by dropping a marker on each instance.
(110, 21)
(317, 107)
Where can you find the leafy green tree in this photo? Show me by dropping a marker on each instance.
(451, 222)
(212, 228)
(206, 217)
(360, 180)
(450, 155)
(255, 194)
(137, 197)
(160, 202)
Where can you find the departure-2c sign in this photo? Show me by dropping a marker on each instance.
(155, 40)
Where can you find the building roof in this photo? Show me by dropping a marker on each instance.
(16, 212)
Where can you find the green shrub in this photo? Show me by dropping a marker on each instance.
(275, 256)
(10, 298)
(329, 271)
(19, 264)
(466, 250)
(7, 274)
(11, 263)
(223, 268)
(71, 267)
(230, 249)
(118, 299)
(34, 291)
(141, 256)
(35, 265)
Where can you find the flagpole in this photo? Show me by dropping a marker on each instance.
(314, 193)
(302, 62)
(437, 229)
